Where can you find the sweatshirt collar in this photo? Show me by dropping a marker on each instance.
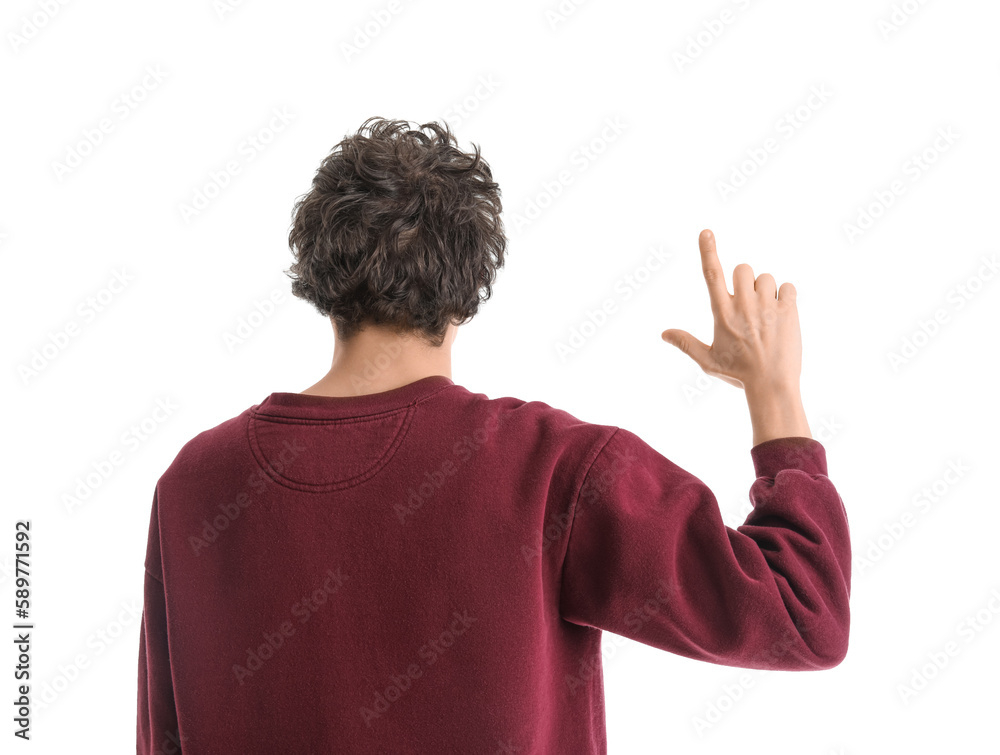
(307, 406)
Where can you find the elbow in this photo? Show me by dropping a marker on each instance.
(816, 642)
(829, 643)
(831, 657)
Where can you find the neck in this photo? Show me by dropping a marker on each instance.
(377, 360)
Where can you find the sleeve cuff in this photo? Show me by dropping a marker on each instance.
(805, 454)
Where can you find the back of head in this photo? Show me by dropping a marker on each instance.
(400, 229)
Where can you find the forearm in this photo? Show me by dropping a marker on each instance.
(776, 412)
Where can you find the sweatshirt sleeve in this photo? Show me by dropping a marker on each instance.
(649, 558)
(156, 724)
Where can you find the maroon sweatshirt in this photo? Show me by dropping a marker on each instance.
(428, 570)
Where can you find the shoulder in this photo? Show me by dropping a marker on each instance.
(210, 448)
(538, 424)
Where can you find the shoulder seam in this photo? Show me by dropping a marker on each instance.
(573, 508)
(433, 393)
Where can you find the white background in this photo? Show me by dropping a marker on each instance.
(894, 78)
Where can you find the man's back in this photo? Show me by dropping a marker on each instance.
(428, 570)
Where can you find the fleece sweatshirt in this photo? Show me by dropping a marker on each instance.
(428, 570)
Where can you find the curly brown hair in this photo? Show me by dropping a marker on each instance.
(399, 229)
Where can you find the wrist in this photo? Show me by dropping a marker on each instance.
(773, 388)
(776, 411)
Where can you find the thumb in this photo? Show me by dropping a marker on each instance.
(690, 345)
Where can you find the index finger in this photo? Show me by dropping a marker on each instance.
(712, 269)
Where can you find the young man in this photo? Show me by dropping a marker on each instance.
(390, 562)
